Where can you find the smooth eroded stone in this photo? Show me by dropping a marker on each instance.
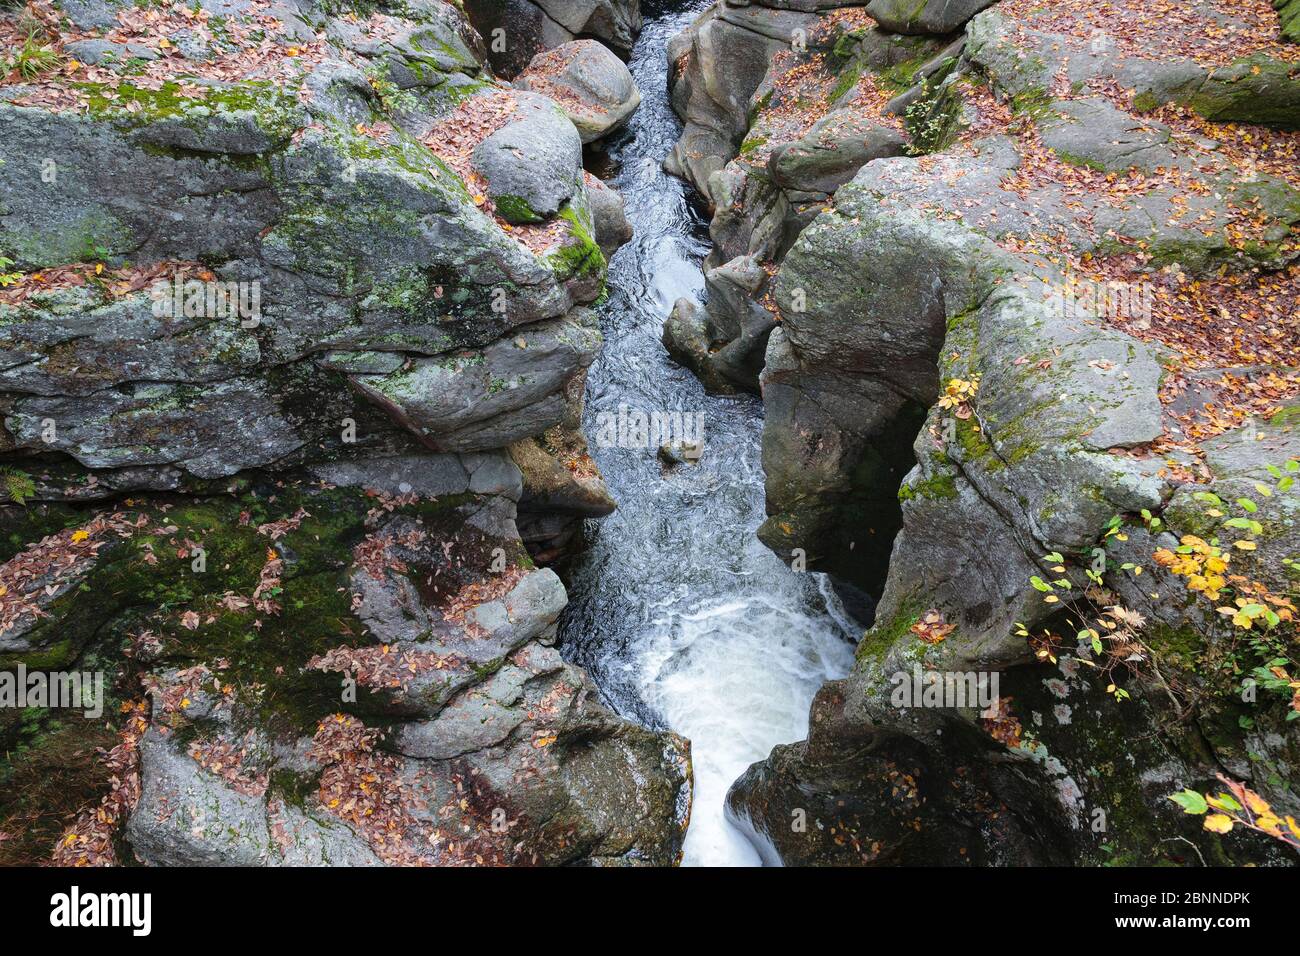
(533, 165)
(591, 84)
(925, 16)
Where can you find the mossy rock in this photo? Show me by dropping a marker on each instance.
(579, 256)
(1288, 12)
(1253, 90)
(515, 210)
(147, 583)
(883, 635)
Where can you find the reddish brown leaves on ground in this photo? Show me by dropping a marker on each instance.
(801, 84)
(184, 688)
(454, 138)
(1208, 32)
(472, 595)
(871, 98)
(374, 554)
(384, 666)
(1236, 318)
(1242, 150)
(250, 46)
(387, 503)
(276, 530)
(834, 23)
(1248, 318)
(113, 283)
(45, 566)
(364, 787)
(1227, 402)
(1001, 724)
(226, 760)
(89, 841)
(581, 466)
(931, 628)
(543, 76)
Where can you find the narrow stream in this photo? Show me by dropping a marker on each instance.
(683, 619)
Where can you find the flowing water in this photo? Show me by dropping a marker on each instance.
(683, 619)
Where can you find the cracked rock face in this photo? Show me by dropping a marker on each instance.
(489, 399)
(369, 249)
(521, 29)
(715, 67)
(364, 674)
(732, 86)
(478, 745)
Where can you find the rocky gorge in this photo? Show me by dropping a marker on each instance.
(296, 321)
(307, 310)
(1033, 265)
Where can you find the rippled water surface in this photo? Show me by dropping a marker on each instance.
(680, 615)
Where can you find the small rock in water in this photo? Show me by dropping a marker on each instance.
(673, 454)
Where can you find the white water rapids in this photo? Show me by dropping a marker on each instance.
(681, 616)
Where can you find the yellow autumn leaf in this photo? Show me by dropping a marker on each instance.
(1244, 545)
(1218, 823)
(1257, 804)
(79, 536)
(1268, 822)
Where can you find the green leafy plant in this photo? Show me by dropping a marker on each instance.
(17, 485)
(6, 277)
(1266, 621)
(933, 119)
(33, 59)
(1110, 631)
(1240, 806)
